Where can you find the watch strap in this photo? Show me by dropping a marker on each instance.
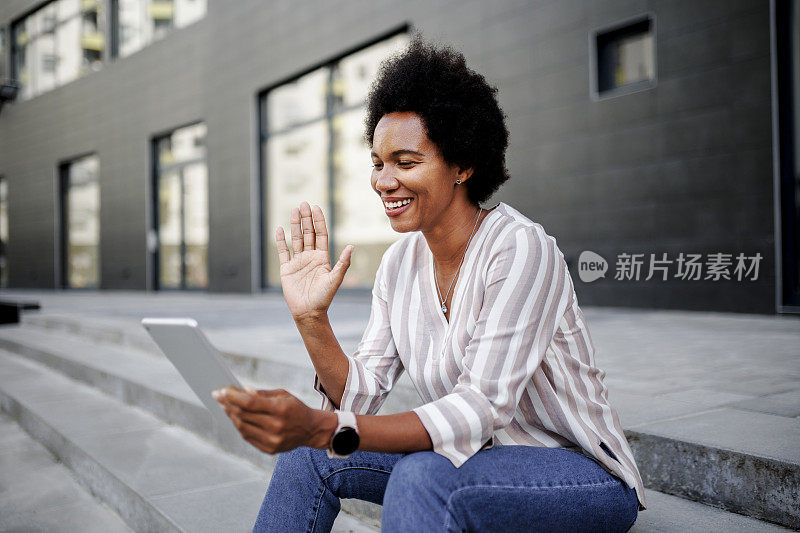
(345, 419)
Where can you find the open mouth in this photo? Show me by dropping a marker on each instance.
(397, 207)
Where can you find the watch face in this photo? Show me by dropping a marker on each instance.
(346, 441)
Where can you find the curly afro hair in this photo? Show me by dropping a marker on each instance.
(457, 105)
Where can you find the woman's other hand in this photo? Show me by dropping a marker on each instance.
(274, 420)
(308, 281)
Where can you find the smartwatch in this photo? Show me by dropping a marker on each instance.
(345, 438)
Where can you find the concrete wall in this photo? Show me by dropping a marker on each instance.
(682, 167)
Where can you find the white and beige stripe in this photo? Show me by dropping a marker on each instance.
(515, 363)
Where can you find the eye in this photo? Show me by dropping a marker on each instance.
(377, 165)
(406, 164)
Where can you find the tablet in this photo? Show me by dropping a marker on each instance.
(196, 359)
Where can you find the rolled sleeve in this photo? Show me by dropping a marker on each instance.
(327, 404)
(375, 366)
(527, 291)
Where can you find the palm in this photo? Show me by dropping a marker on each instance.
(308, 281)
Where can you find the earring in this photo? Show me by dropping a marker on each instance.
(458, 182)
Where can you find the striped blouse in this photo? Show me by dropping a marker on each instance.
(514, 364)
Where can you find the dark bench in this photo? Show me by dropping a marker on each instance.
(10, 311)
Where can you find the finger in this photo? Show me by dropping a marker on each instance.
(272, 393)
(232, 410)
(260, 447)
(320, 228)
(342, 264)
(280, 241)
(249, 402)
(297, 234)
(307, 226)
(266, 422)
(258, 437)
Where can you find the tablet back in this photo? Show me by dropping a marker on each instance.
(200, 364)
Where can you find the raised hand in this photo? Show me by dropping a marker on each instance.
(307, 278)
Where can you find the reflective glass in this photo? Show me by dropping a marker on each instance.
(83, 223)
(356, 72)
(169, 230)
(70, 57)
(304, 161)
(634, 59)
(133, 30)
(360, 217)
(92, 38)
(3, 232)
(183, 208)
(47, 61)
(297, 102)
(22, 51)
(297, 161)
(188, 11)
(144, 21)
(195, 210)
(184, 144)
(2, 53)
(69, 9)
(58, 43)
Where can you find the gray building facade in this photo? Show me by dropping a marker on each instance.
(687, 162)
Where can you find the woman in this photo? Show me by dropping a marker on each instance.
(479, 307)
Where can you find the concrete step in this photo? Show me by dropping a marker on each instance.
(711, 456)
(154, 385)
(274, 354)
(741, 461)
(37, 493)
(87, 429)
(671, 514)
(157, 477)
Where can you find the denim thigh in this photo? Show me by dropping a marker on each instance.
(306, 485)
(507, 488)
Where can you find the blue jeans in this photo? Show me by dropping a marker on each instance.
(503, 488)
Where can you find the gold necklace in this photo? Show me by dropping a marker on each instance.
(438, 291)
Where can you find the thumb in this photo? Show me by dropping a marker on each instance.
(342, 264)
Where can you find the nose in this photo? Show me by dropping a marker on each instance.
(386, 181)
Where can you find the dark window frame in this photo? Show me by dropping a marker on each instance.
(62, 174)
(610, 32)
(789, 255)
(155, 254)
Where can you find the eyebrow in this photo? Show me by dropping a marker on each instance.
(397, 153)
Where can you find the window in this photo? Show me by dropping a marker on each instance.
(56, 44)
(80, 222)
(181, 209)
(141, 22)
(3, 232)
(624, 58)
(312, 149)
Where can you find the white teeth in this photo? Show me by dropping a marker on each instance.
(394, 205)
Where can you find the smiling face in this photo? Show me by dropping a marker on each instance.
(416, 185)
